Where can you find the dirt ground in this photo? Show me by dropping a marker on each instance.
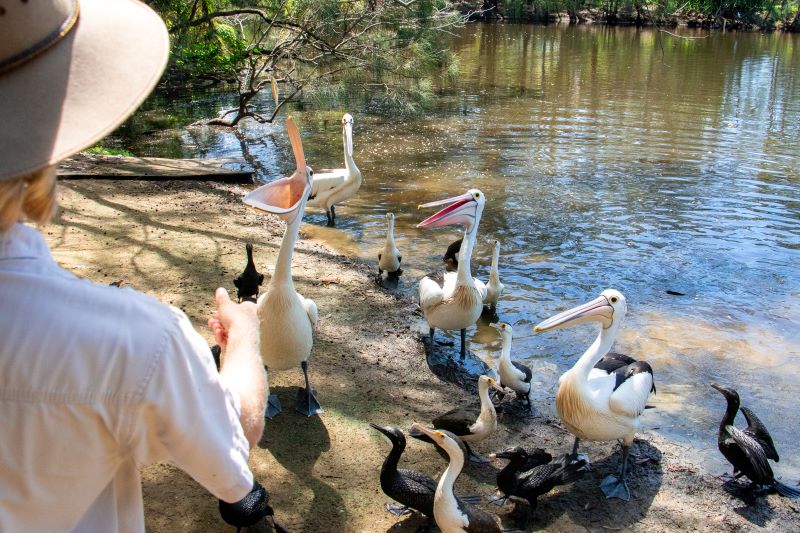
(178, 241)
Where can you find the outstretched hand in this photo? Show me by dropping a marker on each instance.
(230, 315)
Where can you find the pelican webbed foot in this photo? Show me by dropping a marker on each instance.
(397, 509)
(475, 457)
(306, 401)
(615, 487)
(273, 406)
(499, 499)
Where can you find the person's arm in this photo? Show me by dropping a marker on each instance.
(235, 328)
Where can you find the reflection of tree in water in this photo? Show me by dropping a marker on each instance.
(297, 442)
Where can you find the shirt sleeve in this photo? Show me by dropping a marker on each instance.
(190, 418)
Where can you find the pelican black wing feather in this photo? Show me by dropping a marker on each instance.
(759, 469)
(757, 430)
(612, 361)
(524, 369)
(623, 373)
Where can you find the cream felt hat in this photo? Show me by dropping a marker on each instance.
(70, 72)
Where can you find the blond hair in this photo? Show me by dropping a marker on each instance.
(31, 197)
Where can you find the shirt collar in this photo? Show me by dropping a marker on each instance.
(23, 242)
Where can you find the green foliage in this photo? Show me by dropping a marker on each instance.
(106, 150)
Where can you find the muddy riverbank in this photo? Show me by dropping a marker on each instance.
(178, 241)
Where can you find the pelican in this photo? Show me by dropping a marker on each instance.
(389, 257)
(453, 514)
(593, 403)
(749, 449)
(513, 374)
(458, 303)
(335, 186)
(494, 289)
(287, 319)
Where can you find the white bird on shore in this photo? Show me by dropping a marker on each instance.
(602, 396)
(331, 187)
(458, 302)
(287, 319)
(494, 289)
(389, 257)
(513, 374)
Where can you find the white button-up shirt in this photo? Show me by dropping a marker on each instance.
(96, 381)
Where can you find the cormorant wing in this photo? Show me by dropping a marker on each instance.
(753, 450)
(418, 477)
(758, 430)
(458, 421)
(479, 520)
(524, 369)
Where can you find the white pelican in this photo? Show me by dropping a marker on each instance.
(494, 289)
(389, 257)
(331, 187)
(513, 374)
(453, 514)
(603, 402)
(287, 318)
(458, 303)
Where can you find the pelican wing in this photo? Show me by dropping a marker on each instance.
(481, 286)
(430, 293)
(630, 396)
(753, 450)
(758, 430)
(311, 310)
(325, 182)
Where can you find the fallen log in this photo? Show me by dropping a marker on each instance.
(95, 166)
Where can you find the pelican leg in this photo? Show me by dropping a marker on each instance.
(575, 448)
(331, 223)
(332, 219)
(273, 404)
(430, 337)
(475, 457)
(397, 509)
(463, 343)
(306, 401)
(615, 486)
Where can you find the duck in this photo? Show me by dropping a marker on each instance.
(458, 302)
(453, 514)
(594, 404)
(451, 255)
(389, 257)
(472, 423)
(513, 374)
(331, 187)
(495, 288)
(529, 475)
(248, 282)
(287, 319)
(749, 449)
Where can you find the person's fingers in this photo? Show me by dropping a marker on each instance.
(221, 297)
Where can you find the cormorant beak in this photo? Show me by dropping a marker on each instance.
(461, 210)
(285, 197)
(598, 310)
(720, 388)
(497, 386)
(379, 428)
(432, 433)
(501, 455)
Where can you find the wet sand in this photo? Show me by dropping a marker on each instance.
(178, 241)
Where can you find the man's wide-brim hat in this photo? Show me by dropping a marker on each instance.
(70, 72)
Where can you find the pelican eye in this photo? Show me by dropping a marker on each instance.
(614, 299)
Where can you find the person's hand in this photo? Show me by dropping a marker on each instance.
(231, 316)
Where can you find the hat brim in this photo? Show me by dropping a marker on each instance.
(82, 88)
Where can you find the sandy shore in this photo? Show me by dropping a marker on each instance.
(178, 241)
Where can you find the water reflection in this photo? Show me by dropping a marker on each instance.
(610, 157)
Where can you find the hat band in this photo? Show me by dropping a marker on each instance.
(29, 53)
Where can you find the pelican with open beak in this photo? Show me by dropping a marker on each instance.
(603, 395)
(458, 302)
(287, 318)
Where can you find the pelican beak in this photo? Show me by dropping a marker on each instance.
(598, 310)
(285, 197)
(347, 130)
(461, 210)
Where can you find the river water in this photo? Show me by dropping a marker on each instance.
(610, 158)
